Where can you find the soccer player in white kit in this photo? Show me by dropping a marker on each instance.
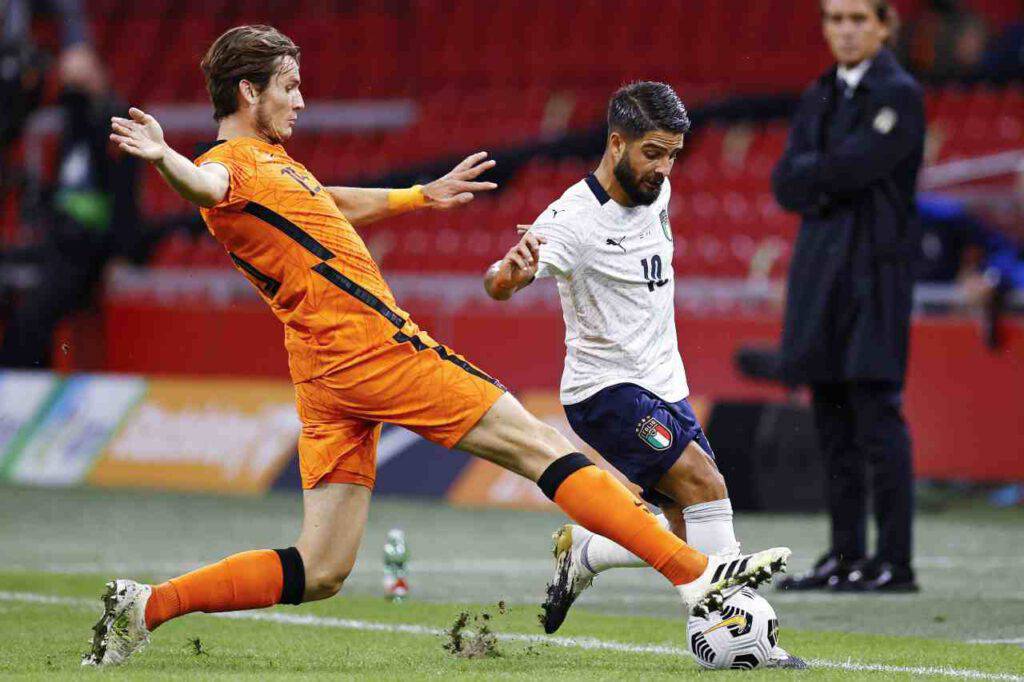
(608, 243)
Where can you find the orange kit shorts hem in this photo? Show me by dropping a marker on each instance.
(413, 382)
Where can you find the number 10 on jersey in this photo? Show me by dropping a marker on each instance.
(652, 273)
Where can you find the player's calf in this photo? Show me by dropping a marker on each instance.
(334, 515)
(324, 583)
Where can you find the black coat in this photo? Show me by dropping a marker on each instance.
(850, 169)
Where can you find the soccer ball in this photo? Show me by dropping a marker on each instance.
(739, 637)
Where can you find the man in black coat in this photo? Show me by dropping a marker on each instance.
(850, 169)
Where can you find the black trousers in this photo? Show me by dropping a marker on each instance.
(863, 438)
(68, 278)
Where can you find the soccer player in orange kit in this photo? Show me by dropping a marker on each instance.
(356, 360)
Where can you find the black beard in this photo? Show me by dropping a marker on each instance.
(632, 186)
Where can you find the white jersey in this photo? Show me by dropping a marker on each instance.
(613, 267)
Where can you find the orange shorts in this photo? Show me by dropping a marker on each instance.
(413, 382)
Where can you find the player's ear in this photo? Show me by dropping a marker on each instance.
(617, 143)
(247, 91)
(885, 32)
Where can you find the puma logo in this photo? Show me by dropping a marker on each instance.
(612, 242)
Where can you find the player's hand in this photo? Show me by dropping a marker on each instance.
(523, 229)
(459, 186)
(522, 259)
(139, 136)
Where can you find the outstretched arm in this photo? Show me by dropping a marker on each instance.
(143, 137)
(364, 206)
(516, 270)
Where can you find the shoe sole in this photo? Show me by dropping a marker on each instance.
(101, 630)
(561, 547)
(753, 578)
(791, 663)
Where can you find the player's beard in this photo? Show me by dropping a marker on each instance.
(633, 186)
(265, 125)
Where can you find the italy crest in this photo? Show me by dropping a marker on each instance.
(654, 433)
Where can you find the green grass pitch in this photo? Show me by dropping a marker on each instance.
(57, 547)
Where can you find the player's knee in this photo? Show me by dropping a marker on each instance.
(692, 481)
(533, 445)
(544, 446)
(555, 443)
(711, 483)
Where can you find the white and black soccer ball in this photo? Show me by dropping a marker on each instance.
(739, 637)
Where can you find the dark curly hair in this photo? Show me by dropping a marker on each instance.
(638, 108)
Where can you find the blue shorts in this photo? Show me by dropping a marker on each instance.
(640, 434)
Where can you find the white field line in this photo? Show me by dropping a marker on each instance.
(958, 673)
(454, 568)
(590, 643)
(483, 567)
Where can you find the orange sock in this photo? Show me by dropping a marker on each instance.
(598, 502)
(250, 580)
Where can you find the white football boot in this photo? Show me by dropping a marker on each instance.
(571, 575)
(709, 591)
(121, 630)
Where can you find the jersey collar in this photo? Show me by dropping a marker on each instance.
(599, 192)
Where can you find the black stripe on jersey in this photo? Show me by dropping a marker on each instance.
(416, 341)
(268, 284)
(599, 192)
(443, 353)
(351, 288)
(204, 147)
(296, 233)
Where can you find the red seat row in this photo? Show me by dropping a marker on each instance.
(380, 49)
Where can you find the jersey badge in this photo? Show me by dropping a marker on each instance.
(885, 120)
(654, 433)
(665, 227)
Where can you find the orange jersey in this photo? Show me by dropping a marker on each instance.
(283, 232)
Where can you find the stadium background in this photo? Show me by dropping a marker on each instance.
(174, 375)
(162, 437)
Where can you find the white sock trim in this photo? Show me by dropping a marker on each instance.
(598, 553)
